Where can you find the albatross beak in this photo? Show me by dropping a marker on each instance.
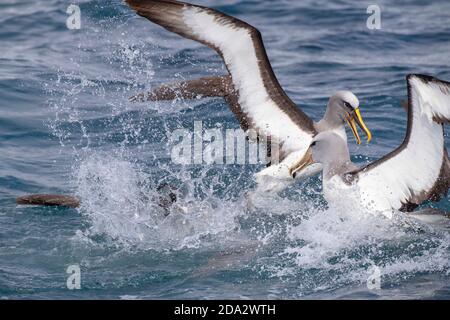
(302, 163)
(354, 119)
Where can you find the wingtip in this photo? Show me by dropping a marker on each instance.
(424, 77)
(136, 4)
(139, 2)
(131, 3)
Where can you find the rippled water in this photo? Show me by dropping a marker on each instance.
(66, 126)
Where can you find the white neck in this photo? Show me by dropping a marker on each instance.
(340, 131)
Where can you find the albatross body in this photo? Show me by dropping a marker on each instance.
(417, 171)
(251, 88)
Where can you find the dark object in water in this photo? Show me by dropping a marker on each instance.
(167, 196)
(49, 200)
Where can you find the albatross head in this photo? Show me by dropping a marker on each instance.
(343, 107)
(329, 149)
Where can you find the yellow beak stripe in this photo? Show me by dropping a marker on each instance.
(363, 125)
(351, 124)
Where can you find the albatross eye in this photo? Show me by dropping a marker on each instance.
(313, 144)
(348, 105)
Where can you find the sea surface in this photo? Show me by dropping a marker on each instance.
(67, 126)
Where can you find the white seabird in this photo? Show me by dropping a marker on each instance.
(251, 88)
(417, 171)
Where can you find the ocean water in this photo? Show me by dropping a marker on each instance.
(67, 126)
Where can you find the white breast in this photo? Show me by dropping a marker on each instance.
(349, 198)
(339, 194)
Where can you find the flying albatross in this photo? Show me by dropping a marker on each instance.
(251, 88)
(417, 171)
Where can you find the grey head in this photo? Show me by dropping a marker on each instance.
(343, 106)
(329, 149)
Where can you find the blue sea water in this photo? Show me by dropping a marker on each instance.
(67, 126)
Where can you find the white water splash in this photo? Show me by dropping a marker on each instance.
(121, 202)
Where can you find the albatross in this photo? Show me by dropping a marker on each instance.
(250, 88)
(417, 171)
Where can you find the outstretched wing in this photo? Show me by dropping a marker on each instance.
(262, 103)
(216, 86)
(419, 169)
